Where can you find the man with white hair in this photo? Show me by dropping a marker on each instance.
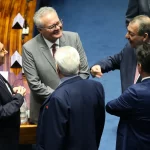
(73, 116)
(38, 57)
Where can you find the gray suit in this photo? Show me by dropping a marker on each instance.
(40, 70)
(137, 7)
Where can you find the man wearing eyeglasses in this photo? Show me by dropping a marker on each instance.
(138, 32)
(38, 57)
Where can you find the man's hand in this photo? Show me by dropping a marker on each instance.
(20, 89)
(96, 71)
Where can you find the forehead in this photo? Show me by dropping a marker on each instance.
(133, 27)
(49, 18)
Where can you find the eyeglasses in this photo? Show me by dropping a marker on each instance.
(52, 27)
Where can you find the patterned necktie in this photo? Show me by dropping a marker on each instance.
(53, 49)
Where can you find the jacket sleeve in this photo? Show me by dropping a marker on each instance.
(110, 63)
(84, 68)
(124, 105)
(132, 10)
(32, 76)
(11, 107)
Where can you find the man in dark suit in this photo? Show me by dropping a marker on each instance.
(73, 116)
(137, 34)
(38, 62)
(137, 7)
(133, 108)
(10, 103)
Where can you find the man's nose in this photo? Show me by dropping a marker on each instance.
(127, 36)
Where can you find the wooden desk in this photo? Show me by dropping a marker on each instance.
(27, 134)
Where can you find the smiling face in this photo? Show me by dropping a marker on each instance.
(52, 27)
(132, 35)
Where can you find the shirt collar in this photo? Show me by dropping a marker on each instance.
(146, 78)
(49, 43)
(67, 78)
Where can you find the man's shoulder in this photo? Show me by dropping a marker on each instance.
(136, 88)
(32, 41)
(90, 81)
(69, 33)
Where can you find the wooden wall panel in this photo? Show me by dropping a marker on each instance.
(12, 38)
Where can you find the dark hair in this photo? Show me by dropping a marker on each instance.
(144, 24)
(143, 57)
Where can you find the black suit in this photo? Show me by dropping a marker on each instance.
(9, 117)
(137, 7)
(125, 61)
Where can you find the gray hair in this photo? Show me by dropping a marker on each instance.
(40, 13)
(67, 60)
(144, 24)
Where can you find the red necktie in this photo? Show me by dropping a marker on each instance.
(53, 49)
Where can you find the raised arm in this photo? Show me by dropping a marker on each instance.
(124, 105)
(10, 104)
(106, 65)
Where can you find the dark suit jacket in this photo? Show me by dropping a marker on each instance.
(9, 117)
(133, 108)
(125, 61)
(40, 68)
(72, 118)
(137, 7)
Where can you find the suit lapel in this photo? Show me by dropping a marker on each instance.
(2, 84)
(46, 52)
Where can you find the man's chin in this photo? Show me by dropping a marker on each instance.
(132, 45)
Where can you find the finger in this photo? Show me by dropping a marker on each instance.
(5, 51)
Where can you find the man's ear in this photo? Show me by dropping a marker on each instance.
(39, 30)
(146, 38)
